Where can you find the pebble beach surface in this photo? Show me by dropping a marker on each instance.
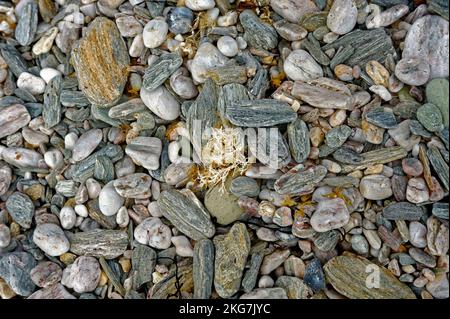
(107, 191)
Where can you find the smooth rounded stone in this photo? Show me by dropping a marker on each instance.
(182, 84)
(412, 71)
(342, 16)
(290, 31)
(161, 102)
(122, 217)
(227, 46)
(257, 33)
(5, 236)
(200, 5)
(418, 234)
(145, 151)
(128, 26)
(437, 94)
(381, 117)
(155, 33)
(22, 157)
(15, 270)
(56, 291)
(51, 239)
(31, 83)
(206, 57)
(34, 137)
(266, 234)
(266, 282)
(375, 187)
(21, 209)
(102, 45)
(360, 244)
(137, 46)
(134, 186)
(348, 274)
(5, 177)
(293, 10)
(70, 140)
(387, 17)
(402, 211)
(412, 166)
(27, 24)
(428, 39)
(422, 257)
(222, 204)
(439, 288)
(294, 266)
(430, 117)
(154, 233)
(86, 144)
(343, 72)
(231, 255)
(12, 119)
(183, 246)
(45, 43)
(330, 214)
(274, 260)
(67, 217)
(301, 66)
(46, 274)
(180, 20)
(244, 186)
(282, 217)
(93, 187)
(299, 180)
(109, 201)
(124, 167)
(417, 191)
(84, 274)
(314, 276)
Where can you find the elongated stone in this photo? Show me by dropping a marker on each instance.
(301, 66)
(223, 75)
(86, 144)
(108, 222)
(323, 93)
(232, 251)
(441, 210)
(160, 70)
(299, 143)
(348, 275)
(203, 269)
(51, 111)
(260, 113)
(379, 156)
(99, 243)
(27, 24)
(257, 33)
(428, 39)
(244, 186)
(251, 275)
(293, 10)
(56, 291)
(145, 151)
(134, 186)
(21, 209)
(175, 282)
(12, 119)
(22, 157)
(380, 117)
(437, 94)
(368, 44)
(440, 166)
(300, 181)
(314, 276)
(16, 63)
(270, 148)
(266, 293)
(402, 211)
(186, 212)
(101, 46)
(143, 260)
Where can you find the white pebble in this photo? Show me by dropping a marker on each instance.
(200, 5)
(155, 33)
(153, 209)
(183, 246)
(154, 233)
(81, 210)
(109, 201)
(48, 73)
(5, 236)
(137, 46)
(93, 188)
(67, 217)
(228, 46)
(31, 83)
(122, 217)
(70, 140)
(54, 159)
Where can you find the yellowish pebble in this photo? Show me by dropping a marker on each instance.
(15, 229)
(5, 291)
(68, 258)
(103, 279)
(126, 264)
(375, 169)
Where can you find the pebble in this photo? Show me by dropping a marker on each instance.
(439, 287)
(387, 17)
(155, 33)
(154, 233)
(417, 234)
(273, 260)
(161, 102)
(417, 191)
(134, 186)
(145, 151)
(437, 94)
(430, 117)
(300, 66)
(21, 209)
(375, 187)
(330, 214)
(200, 5)
(31, 83)
(314, 276)
(12, 119)
(412, 167)
(45, 43)
(412, 71)
(128, 26)
(206, 57)
(86, 144)
(342, 16)
(244, 186)
(182, 84)
(46, 274)
(83, 275)
(5, 236)
(293, 10)
(360, 244)
(51, 239)
(179, 20)
(257, 34)
(67, 217)
(228, 46)
(109, 200)
(15, 270)
(183, 246)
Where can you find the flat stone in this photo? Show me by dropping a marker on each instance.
(15, 270)
(430, 117)
(99, 243)
(348, 274)
(300, 181)
(258, 34)
(12, 119)
(21, 209)
(375, 187)
(402, 211)
(102, 45)
(293, 10)
(437, 94)
(314, 276)
(232, 251)
(301, 66)
(222, 204)
(134, 186)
